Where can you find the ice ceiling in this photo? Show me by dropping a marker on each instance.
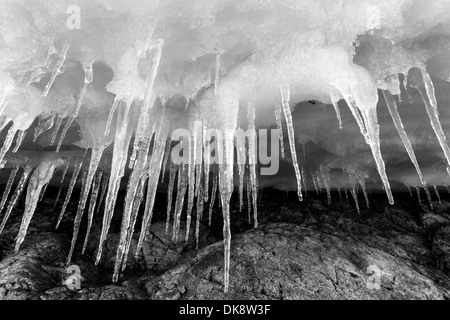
(355, 86)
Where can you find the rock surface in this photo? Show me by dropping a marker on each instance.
(305, 250)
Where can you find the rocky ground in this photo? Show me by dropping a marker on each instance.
(307, 250)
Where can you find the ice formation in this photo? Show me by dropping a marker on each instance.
(136, 71)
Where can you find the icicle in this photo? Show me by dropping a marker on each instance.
(166, 157)
(19, 141)
(368, 99)
(44, 124)
(40, 177)
(191, 176)
(76, 171)
(198, 158)
(87, 80)
(437, 194)
(418, 194)
(66, 167)
(353, 191)
(334, 95)
(88, 177)
(8, 141)
(346, 195)
(59, 120)
(316, 187)
(153, 172)
(249, 199)
(206, 167)
(392, 107)
(120, 152)
(96, 155)
(9, 184)
(448, 189)
(111, 115)
(409, 189)
(422, 82)
(241, 161)
(199, 215)
(279, 127)
(92, 203)
(427, 192)
(213, 198)
(135, 210)
(325, 172)
(57, 70)
(252, 160)
(181, 192)
(135, 182)
(17, 192)
(362, 183)
(340, 195)
(103, 193)
(44, 188)
(148, 101)
(172, 172)
(58, 194)
(285, 95)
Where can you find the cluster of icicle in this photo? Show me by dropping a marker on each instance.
(151, 151)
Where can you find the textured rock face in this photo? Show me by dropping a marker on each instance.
(300, 251)
(285, 261)
(35, 269)
(159, 252)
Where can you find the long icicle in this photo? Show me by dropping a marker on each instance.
(9, 184)
(199, 215)
(422, 82)
(172, 173)
(66, 167)
(285, 95)
(143, 120)
(136, 206)
(120, 152)
(8, 141)
(191, 172)
(88, 78)
(76, 171)
(279, 127)
(58, 124)
(154, 173)
(17, 192)
(252, 160)
(111, 115)
(395, 115)
(57, 70)
(166, 157)
(132, 190)
(58, 194)
(19, 140)
(181, 192)
(40, 177)
(96, 155)
(104, 188)
(213, 197)
(92, 204)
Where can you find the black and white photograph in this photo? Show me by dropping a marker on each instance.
(224, 155)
